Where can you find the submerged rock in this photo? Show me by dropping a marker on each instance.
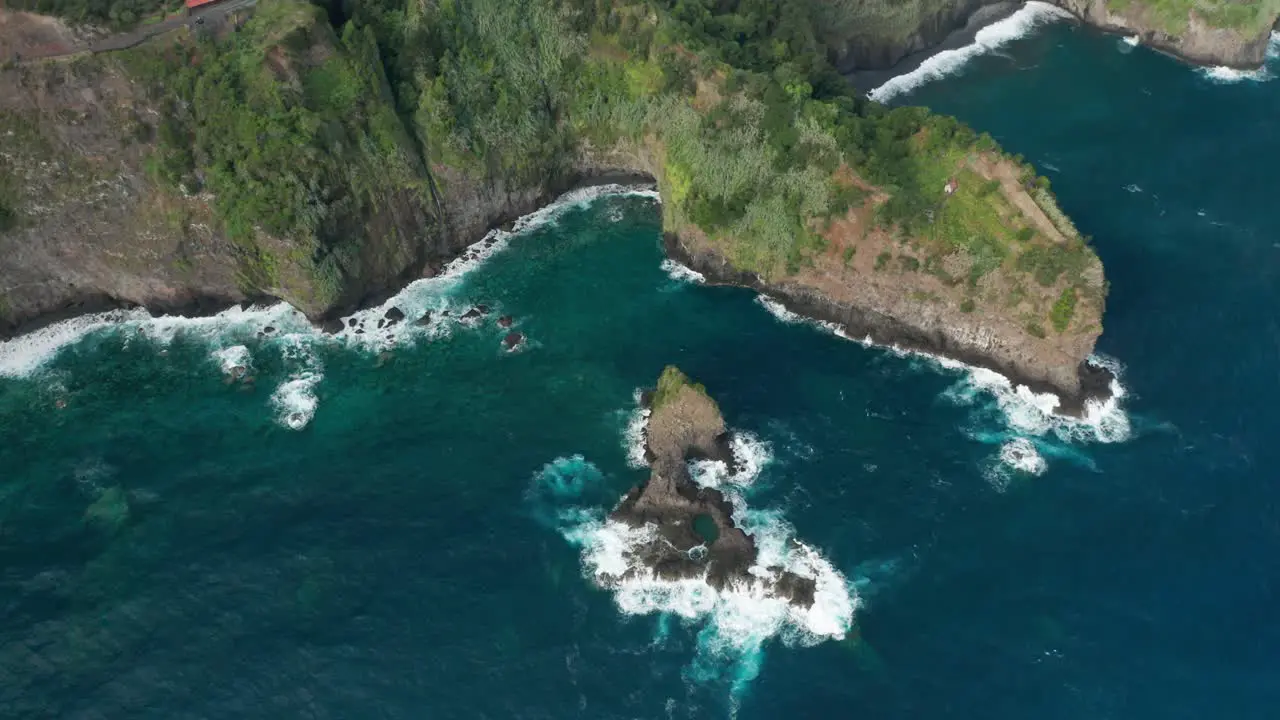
(475, 313)
(505, 321)
(393, 315)
(512, 341)
(424, 320)
(696, 534)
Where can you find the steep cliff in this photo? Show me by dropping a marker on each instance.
(1234, 33)
(286, 159)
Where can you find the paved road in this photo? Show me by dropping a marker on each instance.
(212, 16)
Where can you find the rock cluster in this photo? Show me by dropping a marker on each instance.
(696, 534)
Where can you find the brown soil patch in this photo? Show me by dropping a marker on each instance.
(1021, 199)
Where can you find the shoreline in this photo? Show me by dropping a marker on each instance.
(864, 81)
(867, 81)
(880, 331)
(886, 332)
(200, 306)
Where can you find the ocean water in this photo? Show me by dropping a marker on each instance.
(409, 522)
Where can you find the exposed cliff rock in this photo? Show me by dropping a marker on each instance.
(879, 34)
(696, 536)
(276, 163)
(1237, 37)
(876, 36)
(88, 222)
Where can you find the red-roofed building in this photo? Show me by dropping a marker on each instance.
(193, 4)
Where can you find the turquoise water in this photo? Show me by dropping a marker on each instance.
(409, 523)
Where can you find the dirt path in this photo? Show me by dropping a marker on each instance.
(1018, 195)
(26, 37)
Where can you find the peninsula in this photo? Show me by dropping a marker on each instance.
(328, 155)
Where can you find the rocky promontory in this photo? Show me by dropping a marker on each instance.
(696, 535)
(877, 36)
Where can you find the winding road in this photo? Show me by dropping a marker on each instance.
(211, 15)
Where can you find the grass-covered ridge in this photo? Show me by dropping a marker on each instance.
(1173, 16)
(302, 131)
(670, 383)
(292, 130)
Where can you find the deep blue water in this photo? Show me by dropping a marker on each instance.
(170, 548)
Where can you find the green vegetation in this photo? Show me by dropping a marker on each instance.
(293, 131)
(1063, 309)
(1048, 262)
(1251, 16)
(114, 13)
(1036, 329)
(670, 383)
(302, 133)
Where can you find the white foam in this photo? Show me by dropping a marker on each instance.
(432, 294)
(1230, 76)
(1133, 41)
(235, 361)
(741, 616)
(750, 455)
(25, 354)
(1025, 411)
(633, 438)
(1021, 455)
(680, 273)
(989, 39)
(1034, 414)
(1133, 188)
(736, 621)
(295, 400)
(780, 311)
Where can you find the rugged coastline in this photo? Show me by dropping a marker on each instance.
(695, 533)
(1088, 383)
(954, 23)
(132, 184)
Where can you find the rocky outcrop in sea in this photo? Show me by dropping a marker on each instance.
(696, 534)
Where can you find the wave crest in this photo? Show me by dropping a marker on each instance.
(989, 39)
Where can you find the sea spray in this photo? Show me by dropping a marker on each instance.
(680, 273)
(295, 400)
(735, 622)
(23, 355)
(1229, 76)
(989, 39)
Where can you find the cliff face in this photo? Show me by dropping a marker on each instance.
(186, 175)
(87, 221)
(879, 35)
(1188, 32)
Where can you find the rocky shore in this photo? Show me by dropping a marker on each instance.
(1074, 380)
(696, 535)
(950, 24)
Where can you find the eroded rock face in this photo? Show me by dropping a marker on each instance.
(1198, 42)
(696, 536)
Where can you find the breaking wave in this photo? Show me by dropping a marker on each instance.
(989, 39)
(1228, 76)
(1021, 409)
(633, 437)
(750, 455)
(680, 273)
(733, 625)
(295, 399)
